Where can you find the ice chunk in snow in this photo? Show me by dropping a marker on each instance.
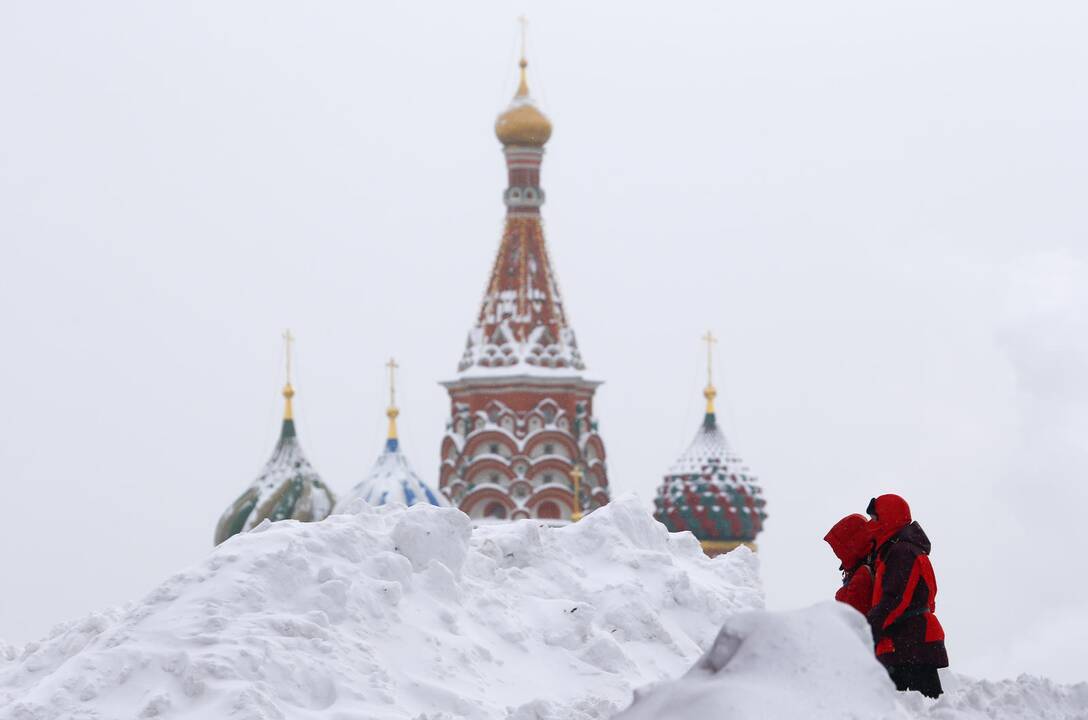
(433, 534)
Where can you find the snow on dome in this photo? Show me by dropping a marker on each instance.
(288, 487)
(397, 613)
(709, 448)
(391, 480)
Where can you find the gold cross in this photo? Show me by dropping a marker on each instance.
(288, 339)
(392, 365)
(524, 25)
(709, 339)
(576, 474)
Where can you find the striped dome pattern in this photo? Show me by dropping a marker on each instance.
(711, 492)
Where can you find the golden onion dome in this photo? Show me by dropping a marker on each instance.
(522, 123)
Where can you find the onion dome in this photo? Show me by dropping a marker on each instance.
(710, 491)
(391, 479)
(522, 124)
(287, 489)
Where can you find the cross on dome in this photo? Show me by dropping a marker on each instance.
(391, 478)
(288, 390)
(710, 392)
(522, 124)
(392, 412)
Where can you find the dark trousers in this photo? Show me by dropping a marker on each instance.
(922, 678)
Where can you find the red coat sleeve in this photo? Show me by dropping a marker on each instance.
(858, 590)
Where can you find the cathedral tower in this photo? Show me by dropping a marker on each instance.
(522, 424)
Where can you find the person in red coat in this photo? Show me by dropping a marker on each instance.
(909, 638)
(851, 540)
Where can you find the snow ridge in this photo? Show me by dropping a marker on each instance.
(411, 614)
(397, 613)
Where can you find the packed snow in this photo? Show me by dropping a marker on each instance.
(818, 663)
(395, 613)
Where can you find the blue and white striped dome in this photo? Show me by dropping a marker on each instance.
(391, 480)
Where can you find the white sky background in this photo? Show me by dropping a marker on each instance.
(880, 207)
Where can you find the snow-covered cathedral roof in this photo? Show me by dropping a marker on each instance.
(710, 491)
(391, 479)
(522, 327)
(709, 448)
(288, 487)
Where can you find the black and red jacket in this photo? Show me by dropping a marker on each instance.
(905, 628)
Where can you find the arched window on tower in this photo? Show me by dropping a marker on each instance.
(547, 510)
(495, 510)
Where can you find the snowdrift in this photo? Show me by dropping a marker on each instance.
(818, 664)
(769, 665)
(395, 613)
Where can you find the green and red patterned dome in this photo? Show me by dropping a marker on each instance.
(711, 492)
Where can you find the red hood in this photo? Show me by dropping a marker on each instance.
(890, 514)
(851, 540)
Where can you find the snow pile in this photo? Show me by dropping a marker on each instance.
(395, 613)
(1025, 698)
(770, 665)
(398, 613)
(818, 663)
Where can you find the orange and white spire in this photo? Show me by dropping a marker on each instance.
(522, 326)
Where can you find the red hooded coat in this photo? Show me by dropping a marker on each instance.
(902, 618)
(851, 540)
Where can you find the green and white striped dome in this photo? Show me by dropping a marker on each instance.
(288, 488)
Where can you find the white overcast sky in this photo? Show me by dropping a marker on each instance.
(879, 207)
